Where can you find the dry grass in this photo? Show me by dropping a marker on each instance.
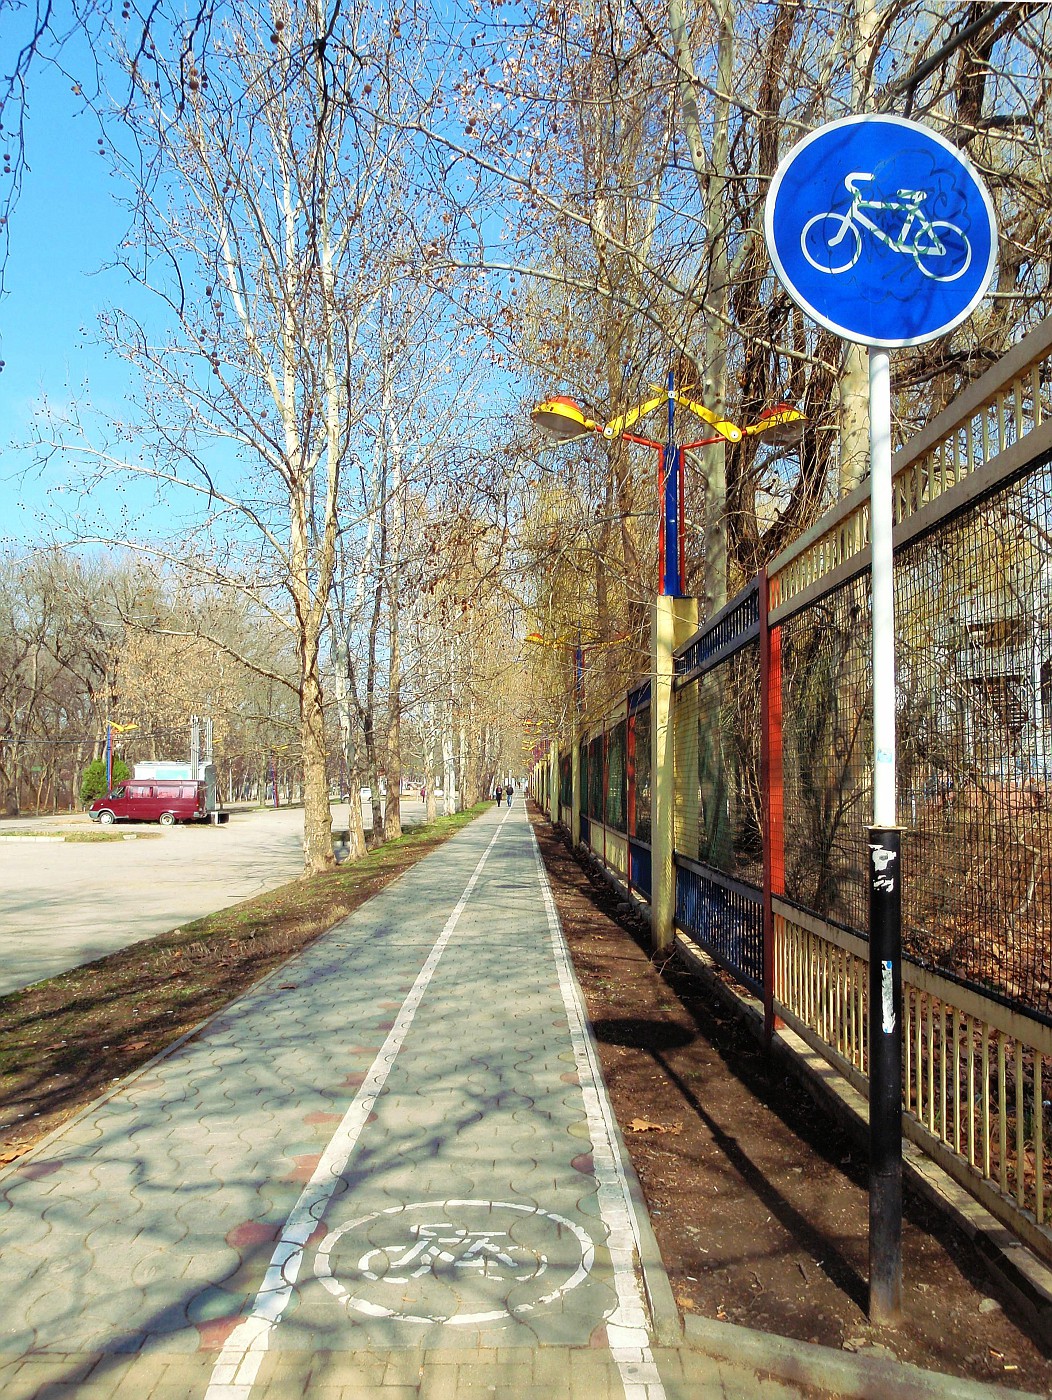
(64, 1041)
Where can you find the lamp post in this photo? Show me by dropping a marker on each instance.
(564, 420)
(578, 647)
(674, 617)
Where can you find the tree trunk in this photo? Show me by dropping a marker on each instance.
(393, 805)
(317, 816)
(355, 824)
(854, 418)
(854, 373)
(711, 175)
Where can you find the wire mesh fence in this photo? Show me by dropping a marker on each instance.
(973, 585)
(827, 708)
(719, 799)
(975, 670)
(640, 800)
(974, 720)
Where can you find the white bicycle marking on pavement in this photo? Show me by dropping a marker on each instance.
(430, 1249)
(237, 1366)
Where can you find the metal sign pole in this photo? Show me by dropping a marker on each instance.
(827, 230)
(885, 880)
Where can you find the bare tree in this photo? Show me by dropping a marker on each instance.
(264, 222)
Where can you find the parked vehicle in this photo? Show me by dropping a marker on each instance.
(153, 800)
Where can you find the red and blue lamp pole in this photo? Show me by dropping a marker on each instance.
(564, 420)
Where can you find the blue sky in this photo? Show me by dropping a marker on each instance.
(63, 230)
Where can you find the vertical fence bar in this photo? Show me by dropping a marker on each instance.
(943, 1099)
(1020, 1128)
(771, 782)
(956, 1080)
(1039, 1139)
(1002, 1114)
(986, 1101)
(970, 1024)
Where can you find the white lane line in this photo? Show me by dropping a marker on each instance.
(627, 1327)
(238, 1363)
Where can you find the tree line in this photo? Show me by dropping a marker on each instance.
(374, 235)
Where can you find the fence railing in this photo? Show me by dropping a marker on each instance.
(974, 1071)
(1000, 425)
(771, 724)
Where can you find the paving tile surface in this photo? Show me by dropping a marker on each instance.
(382, 1176)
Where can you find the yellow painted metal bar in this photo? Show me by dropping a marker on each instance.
(986, 1101)
(1002, 1113)
(956, 1080)
(1039, 1141)
(1020, 1129)
(730, 431)
(945, 1108)
(970, 1025)
(631, 416)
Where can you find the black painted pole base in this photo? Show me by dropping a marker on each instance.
(885, 1076)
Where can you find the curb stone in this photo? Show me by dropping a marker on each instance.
(851, 1377)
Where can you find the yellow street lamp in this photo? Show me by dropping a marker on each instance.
(563, 419)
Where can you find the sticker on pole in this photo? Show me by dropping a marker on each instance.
(881, 231)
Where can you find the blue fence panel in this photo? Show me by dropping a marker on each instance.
(639, 866)
(724, 917)
(586, 831)
(735, 624)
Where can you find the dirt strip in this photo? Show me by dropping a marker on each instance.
(758, 1199)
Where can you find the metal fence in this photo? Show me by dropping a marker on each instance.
(718, 794)
(772, 716)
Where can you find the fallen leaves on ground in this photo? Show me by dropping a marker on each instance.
(644, 1125)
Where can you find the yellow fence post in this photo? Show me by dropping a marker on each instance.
(675, 620)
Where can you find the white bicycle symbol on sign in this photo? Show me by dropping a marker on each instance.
(940, 249)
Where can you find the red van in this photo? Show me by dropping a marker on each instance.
(153, 800)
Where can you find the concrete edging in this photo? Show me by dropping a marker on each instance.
(664, 1311)
(844, 1374)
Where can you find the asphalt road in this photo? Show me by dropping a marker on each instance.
(64, 903)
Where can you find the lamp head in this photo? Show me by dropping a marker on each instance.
(562, 419)
(782, 425)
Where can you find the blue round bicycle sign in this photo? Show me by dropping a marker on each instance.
(881, 231)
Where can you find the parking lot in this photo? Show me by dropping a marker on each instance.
(64, 903)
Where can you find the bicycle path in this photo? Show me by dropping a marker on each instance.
(390, 1170)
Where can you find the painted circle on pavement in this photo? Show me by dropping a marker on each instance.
(455, 1262)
